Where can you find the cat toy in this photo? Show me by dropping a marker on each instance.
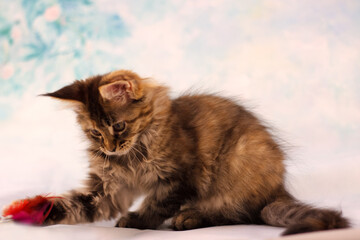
(30, 210)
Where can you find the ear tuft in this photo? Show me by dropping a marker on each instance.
(72, 92)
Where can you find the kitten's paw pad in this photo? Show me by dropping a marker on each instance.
(185, 220)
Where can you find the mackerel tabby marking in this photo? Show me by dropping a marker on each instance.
(201, 159)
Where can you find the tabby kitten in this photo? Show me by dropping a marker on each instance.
(201, 160)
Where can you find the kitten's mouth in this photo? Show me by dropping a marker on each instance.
(123, 149)
(115, 153)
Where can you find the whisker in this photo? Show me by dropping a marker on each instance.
(137, 150)
(135, 156)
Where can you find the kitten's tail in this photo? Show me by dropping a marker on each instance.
(299, 218)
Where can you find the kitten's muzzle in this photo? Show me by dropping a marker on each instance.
(116, 147)
(109, 146)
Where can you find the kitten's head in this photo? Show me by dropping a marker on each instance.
(114, 109)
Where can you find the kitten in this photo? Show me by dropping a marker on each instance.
(201, 160)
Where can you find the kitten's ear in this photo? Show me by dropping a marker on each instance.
(74, 92)
(121, 91)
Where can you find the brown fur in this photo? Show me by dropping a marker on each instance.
(201, 159)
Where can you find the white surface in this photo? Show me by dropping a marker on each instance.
(13, 231)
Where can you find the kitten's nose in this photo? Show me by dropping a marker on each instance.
(109, 146)
(113, 150)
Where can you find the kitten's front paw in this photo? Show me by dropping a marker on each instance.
(131, 220)
(187, 219)
(134, 220)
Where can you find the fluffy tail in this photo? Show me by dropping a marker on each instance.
(299, 218)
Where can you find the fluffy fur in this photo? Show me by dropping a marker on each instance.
(201, 160)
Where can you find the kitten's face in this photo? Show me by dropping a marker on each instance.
(115, 131)
(113, 110)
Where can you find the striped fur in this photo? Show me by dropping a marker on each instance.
(298, 217)
(201, 160)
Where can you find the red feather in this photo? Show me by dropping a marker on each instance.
(15, 207)
(30, 210)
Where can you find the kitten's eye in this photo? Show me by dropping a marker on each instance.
(118, 127)
(95, 133)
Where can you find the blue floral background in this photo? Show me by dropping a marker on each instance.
(41, 39)
(295, 63)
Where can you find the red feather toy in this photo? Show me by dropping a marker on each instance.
(31, 210)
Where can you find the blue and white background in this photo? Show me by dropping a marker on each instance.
(295, 63)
